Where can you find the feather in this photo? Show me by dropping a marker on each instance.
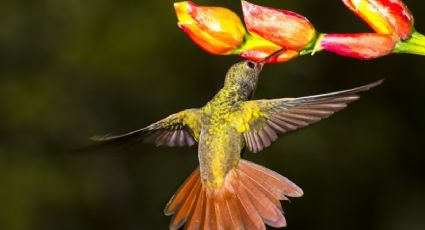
(184, 210)
(287, 114)
(182, 193)
(249, 199)
(270, 213)
(272, 178)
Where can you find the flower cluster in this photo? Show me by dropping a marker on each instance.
(220, 31)
(392, 22)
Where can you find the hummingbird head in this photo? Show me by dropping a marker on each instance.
(244, 76)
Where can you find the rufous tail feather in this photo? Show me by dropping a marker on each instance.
(249, 199)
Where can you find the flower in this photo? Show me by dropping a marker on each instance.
(384, 16)
(256, 48)
(220, 31)
(389, 17)
(284, 28)
(215, 29)
(363, 46)
(261, 53)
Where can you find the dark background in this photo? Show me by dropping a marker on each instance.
(70, 69)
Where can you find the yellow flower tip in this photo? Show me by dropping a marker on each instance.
(384, 16)
(215, 29)
(182, 11)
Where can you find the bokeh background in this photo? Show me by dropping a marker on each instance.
(70, 69)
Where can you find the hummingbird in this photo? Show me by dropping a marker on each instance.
(226, 191)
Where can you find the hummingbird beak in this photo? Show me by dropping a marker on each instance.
(270, 57)
(260, 65)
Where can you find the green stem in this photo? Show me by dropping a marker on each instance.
(252, 41)
(314, 47)
(414, 45)
(417, 38)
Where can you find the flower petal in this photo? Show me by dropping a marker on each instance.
(215, 29)
(363, 46)
(284, 28)
(260, 53)
(256, 48)
(384, 16)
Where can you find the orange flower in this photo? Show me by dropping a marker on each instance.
(220, 31)
(384, 16)
(284, 28)
(363, 46)
(217, 30)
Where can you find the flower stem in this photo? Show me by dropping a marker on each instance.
(414, 45)
(417, 38)
(314, 47)
(252, 41)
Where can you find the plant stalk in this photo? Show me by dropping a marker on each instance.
(414, 45)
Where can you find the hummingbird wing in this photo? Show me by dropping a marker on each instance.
(266, 119)
(179, 129)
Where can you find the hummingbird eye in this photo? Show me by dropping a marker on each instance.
(251, 65)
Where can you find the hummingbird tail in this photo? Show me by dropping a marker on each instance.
(249, 199)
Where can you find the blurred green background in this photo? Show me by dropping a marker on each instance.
(70, 69)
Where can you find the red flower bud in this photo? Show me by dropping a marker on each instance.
(361, 46)
(284, 28)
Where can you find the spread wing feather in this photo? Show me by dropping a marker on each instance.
(278, 116)
(179, 129)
